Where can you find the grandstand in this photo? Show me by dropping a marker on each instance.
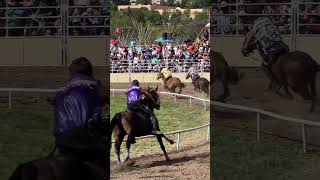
(297, 20)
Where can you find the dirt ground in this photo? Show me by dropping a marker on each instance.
(189, 163)
(251, 92)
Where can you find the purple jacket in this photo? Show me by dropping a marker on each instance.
(76, 103)
(134, 94)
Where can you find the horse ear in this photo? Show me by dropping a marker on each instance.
(157, 88)
(148, 88)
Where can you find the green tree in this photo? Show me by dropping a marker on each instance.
(153, 17)
(145, 2)
(169, 3)
(202, 16)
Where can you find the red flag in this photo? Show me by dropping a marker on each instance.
(117, 32)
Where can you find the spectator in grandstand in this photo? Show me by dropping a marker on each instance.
(154, 57)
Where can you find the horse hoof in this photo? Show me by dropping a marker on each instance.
(127, 159)
(168, 159)
(119, 162)
(171, 142)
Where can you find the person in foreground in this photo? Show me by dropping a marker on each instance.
(81, 131)
(77, 112)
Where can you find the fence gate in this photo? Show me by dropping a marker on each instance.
(53, 33)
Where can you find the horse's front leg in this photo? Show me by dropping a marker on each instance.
(159, 138)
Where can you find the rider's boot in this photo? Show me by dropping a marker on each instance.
(154, 123)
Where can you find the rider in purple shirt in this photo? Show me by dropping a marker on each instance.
(77, 113)
(134, 97)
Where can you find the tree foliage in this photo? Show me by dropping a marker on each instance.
(145, 25)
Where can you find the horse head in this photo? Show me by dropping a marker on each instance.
(160, 75)
(156, 98)
(249, 44)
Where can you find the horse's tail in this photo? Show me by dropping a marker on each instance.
(115, 120)
(27, 171)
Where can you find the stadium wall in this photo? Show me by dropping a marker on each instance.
(48, 51)
(230, 46)
(148, 77)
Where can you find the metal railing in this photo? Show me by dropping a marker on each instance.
(296, 17)
(175, 65)
(10, 92)
(60, 19)
(259, 112)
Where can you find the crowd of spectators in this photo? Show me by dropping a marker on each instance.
(152, 58)
(44, 17)
(228, 13)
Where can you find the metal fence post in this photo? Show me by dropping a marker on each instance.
(178, 141)
(190, 102)
(112, 92)
(259, 128)
(9, 99)
(175, 98)
(204, 104)
(304, 142)
(208, 133)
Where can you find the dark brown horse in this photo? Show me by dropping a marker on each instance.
(200, 84)
(224, 73)
(171, 83)
(136, 124)
(296, 70)
(61, 168)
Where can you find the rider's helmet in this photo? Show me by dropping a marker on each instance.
(81, 65)
(164, 69)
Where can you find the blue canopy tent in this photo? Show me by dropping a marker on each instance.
(162, 40)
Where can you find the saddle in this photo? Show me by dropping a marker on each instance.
(138, 111)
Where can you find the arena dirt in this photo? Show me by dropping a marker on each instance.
(187, 164)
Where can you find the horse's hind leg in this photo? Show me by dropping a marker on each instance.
(206, 90)
(303, 90)
(168, 139)
(226, 91)
(159, 138)
(128, 144)
(313, 85)
(117, 146)
(288, 93)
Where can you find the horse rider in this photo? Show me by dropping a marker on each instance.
(134, 98)
(193, 72)
(166, 73)
(268, 40)
(77, 111)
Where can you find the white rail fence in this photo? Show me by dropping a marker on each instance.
(259, 113)
(175, 65)
(179, 132)
(10, 92)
